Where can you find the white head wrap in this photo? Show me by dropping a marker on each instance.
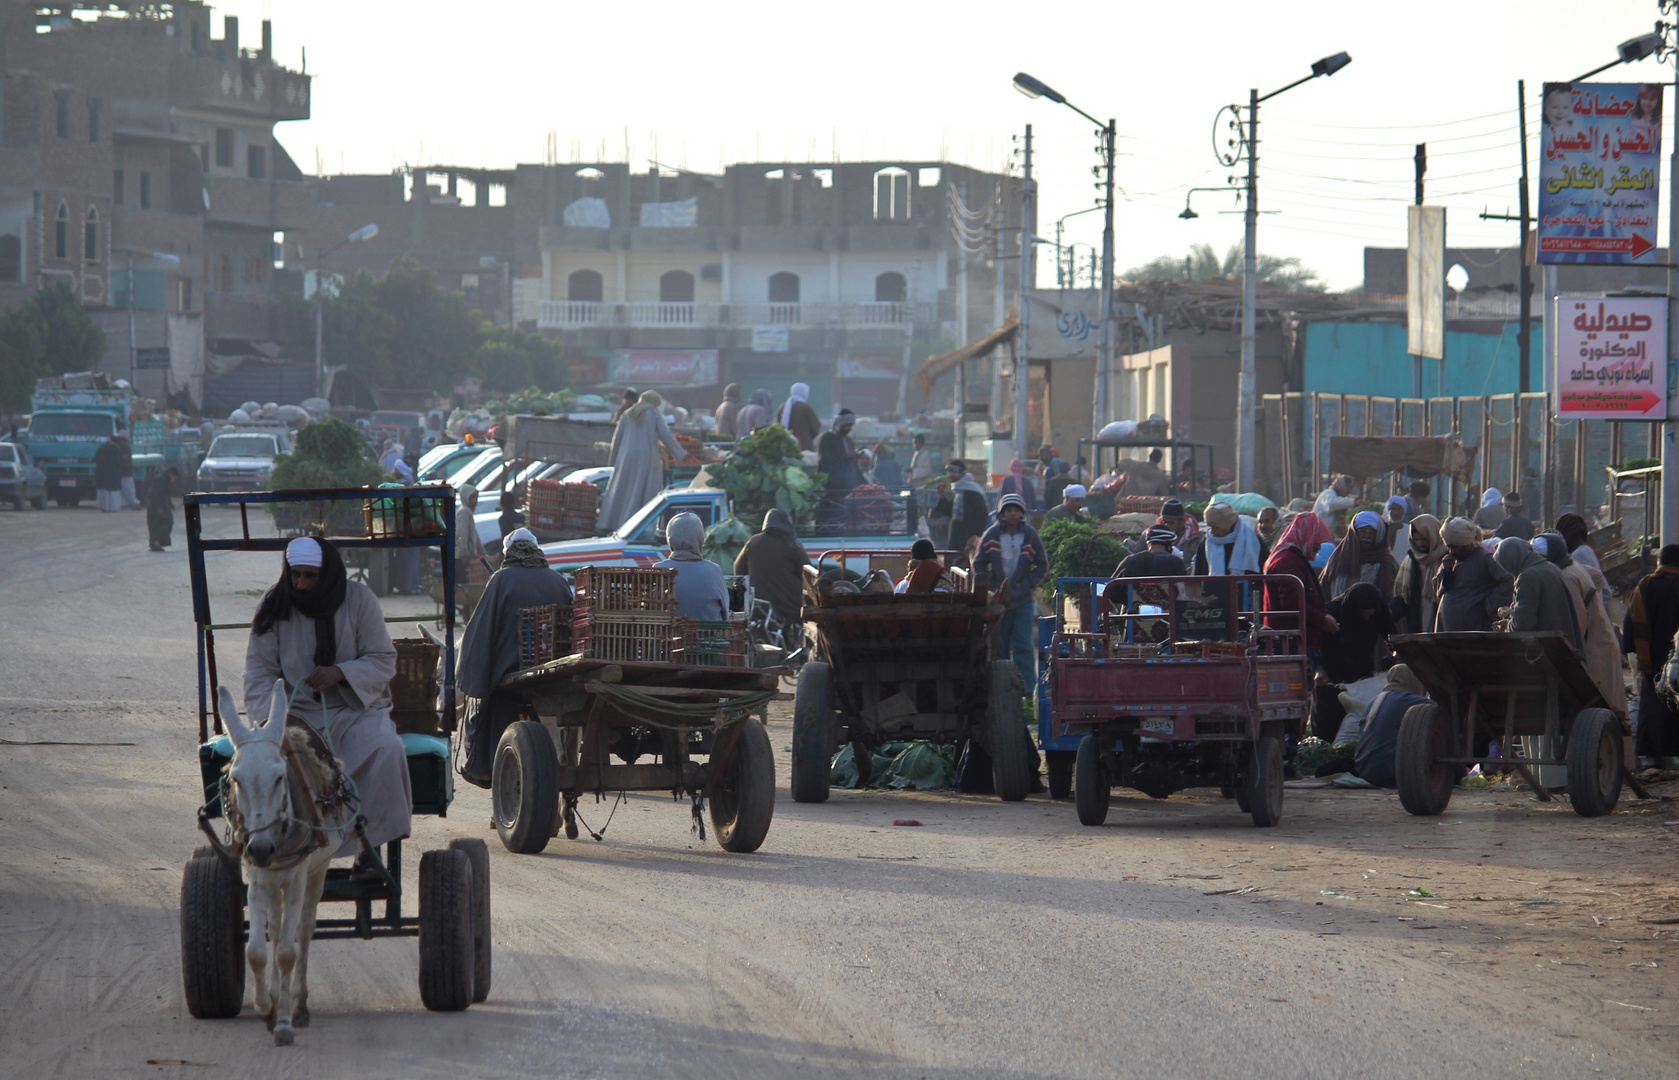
(304, 551)
(1074, 491)
(520, 533)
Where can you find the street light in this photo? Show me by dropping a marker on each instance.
(1631, 50)
(1188, 213)
(1245, 396)
(163, 258)
(1033, 88)
(366, 232)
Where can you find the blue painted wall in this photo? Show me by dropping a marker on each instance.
(1370, 358)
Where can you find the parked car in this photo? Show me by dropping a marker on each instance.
(438, 462)
(20, 480)
(242, 460)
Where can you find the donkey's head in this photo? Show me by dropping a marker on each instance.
(257, 776)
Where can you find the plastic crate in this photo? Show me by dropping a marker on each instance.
(414, 687)
(544, 634)
(625, 590)
(645, 638)
(715, 644)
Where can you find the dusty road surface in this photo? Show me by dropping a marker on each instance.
(991, 941)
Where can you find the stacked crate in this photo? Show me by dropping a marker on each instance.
(626, 614)
(544, 634)
(715, 644)
(414, 686)
(562, 508)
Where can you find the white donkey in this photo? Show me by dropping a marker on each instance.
(287, 805)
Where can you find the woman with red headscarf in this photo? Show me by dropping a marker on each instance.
(1295, 549)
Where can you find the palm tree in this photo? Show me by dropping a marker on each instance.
(1203, 264)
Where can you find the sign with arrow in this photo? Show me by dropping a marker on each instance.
(1610, 357)
(1599, 172)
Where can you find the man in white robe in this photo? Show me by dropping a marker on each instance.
(342, 691)
(638, 473)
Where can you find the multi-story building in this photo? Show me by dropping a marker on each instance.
(134, 135)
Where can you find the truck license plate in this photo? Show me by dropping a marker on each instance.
(66, 482)
(1166, 726)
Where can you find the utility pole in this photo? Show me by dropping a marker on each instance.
(1250, 272)
(1524, 332)
(1001, 305)
(1670, 449)
(1105, 343)
(962, 335)
(1022, 349)
(1421, 162)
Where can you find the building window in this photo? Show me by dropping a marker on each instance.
(145, 191)
(117, 196)
(256, 271)
(183, 295)
(62, 97)
(224, 275)
(61, 233)
(584, 285)
(90, 236)
(676, 287)
(224, 148)
(11, 258)
(891, 288)
(891, 194)
(784, 288)
(93, 121)
(256, 161)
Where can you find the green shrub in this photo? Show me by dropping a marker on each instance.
(326, 454)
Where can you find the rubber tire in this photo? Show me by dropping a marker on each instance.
(68, 502)
(1059, 765)
(1006, 728)
(1265, 782)
(212, 939)
(1092, 786)
(743, 799)
(39, 502)
(1594, 762)
(1425, 784)
(446, 952)
(524, 787)
(478, 853)
(813, 718)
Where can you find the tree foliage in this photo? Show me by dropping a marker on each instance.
(48, 334)
(1203, 263)
(326, 454)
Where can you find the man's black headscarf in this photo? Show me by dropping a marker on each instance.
(320, 603)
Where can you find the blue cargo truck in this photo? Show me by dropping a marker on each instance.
(70, 415)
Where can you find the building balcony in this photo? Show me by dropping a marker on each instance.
(647, 314)
(244, 86)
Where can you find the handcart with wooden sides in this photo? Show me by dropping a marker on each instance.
(1185, 682)
(455, 968)
(890, 667)
(637, 682)
(1531, 693)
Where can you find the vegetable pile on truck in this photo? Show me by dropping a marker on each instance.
(70, 415)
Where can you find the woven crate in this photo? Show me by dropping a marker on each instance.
(414, 687)
(1139, 504)
(544, 634)
(715, 644)
(649, 639)
(579, 497)
(625, 590)
(406, 515)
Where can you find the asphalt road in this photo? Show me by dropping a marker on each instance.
(991, 941)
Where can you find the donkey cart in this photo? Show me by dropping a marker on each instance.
(892, 667)
(1529, 692)
(453, 919)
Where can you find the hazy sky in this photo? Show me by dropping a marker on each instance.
(695, 85)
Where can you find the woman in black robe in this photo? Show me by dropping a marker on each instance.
(1350, 654)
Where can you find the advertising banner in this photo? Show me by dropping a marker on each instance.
(1425, 281)
(771, 338)
(1611, 357)
(1066, 323)
(664, 367)
(1599, 165)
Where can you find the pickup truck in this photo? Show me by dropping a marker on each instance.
(242, 459)
(879, 525)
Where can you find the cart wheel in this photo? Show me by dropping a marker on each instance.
(1425, 783)
(1059, 765)
(478, 853)
(743, 797)
(813, 716)
(1092, 782)
(1594, 762)
(1006, 727)
(212, 939)
(446, 953)
(524, 787)
(1240, 794)
(1264, 788)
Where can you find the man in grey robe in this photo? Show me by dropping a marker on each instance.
(325, 636)
(490, 646)
(638, 475)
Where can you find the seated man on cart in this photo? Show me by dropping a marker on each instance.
(325, 636)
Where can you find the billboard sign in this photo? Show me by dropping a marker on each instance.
(664, 367)
(1425, 281)
(1599, 171)
(771, 338)
(1611, 357)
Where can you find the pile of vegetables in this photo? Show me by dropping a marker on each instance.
(766, 471)
(532, 402)
(1078, 549)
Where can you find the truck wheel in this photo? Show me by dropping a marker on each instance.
(1594, 762)
(813, 716)
(446, 954)
(1006, 726)
(524, 787)
(39, 502)
(212, 939)
(1424, 782)
(743, 797)
(1092, 782)
(1059, 765)
(1265, 782)
(68, 502)
(478, 854)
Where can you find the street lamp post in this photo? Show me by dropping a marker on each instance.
(366, 232)
(1245, 388)
(1031, 87)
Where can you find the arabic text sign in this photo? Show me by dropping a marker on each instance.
(771, 338)
(664, 367)
(1598, 172)
(1611, 357)
(1065, 323)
